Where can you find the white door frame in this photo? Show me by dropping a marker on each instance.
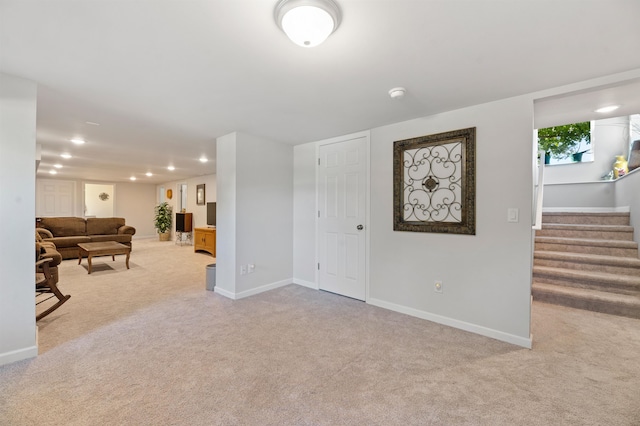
(367, 135)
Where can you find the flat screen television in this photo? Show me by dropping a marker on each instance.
(211, 214)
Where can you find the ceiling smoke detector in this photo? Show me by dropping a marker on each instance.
(397, 92)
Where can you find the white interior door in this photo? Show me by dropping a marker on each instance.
(55, 198)
(342, 183)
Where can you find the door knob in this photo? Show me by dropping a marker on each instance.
(360, 227)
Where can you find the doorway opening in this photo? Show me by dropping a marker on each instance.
(99, 200)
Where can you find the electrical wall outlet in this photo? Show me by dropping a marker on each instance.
(243, 269)
(437, 286)
(252, 268)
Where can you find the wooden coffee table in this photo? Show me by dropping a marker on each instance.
(106, 248)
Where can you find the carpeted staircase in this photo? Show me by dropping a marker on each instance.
(587, 261)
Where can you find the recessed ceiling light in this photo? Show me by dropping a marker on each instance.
(53, 172)
(65, 155)
(57, 166)
(203, 159)
(78, 141)
(132, 178)
(92, 123)
(608, 109)
(149, 174)
(171, 168)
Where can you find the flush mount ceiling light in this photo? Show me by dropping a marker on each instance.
(397, 92)
(203, 159)
(65, 155)
(307, 22)
(608, 108)
(78, 141)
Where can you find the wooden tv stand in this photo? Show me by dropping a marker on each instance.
(205, 239)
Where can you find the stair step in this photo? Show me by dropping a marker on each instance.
(602, 232)
(593, 300)
(587, 246)
(609, 218)
(588, 262)
(587, 279)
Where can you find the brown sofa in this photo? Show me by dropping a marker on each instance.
(67, 232)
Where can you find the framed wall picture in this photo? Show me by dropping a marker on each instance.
(434, 183)
(200, 198)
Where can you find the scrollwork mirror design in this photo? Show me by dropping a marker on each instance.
(434, 183)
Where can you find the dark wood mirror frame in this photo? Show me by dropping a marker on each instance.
(200, 195)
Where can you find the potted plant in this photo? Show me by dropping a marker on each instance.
(564, 141)
(163, 221)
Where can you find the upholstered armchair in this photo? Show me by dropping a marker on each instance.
(47, 249)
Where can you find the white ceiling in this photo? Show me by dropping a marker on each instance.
(580, 105)
(164, 79)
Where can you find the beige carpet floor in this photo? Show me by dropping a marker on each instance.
(150, 346)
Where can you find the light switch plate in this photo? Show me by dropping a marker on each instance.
(513, 214)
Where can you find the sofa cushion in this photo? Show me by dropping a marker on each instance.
(64, 226)
(63, 242)
(104, 225)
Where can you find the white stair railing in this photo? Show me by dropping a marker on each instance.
(539, 192)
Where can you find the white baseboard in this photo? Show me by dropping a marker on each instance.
(305, 283)
(144, 237)
(462, 325)
(624, 209)
(18, 355)
(253, 291)
(223, 292)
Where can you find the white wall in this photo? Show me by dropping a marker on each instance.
(255, 185)
(609, 138)
(135, 202)
(264, 212)
(304, 219)
(486, 277)
(199, 211)
(628, 195)
(132, 200)
(17, 213)
(582, 194)
(226, 175)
